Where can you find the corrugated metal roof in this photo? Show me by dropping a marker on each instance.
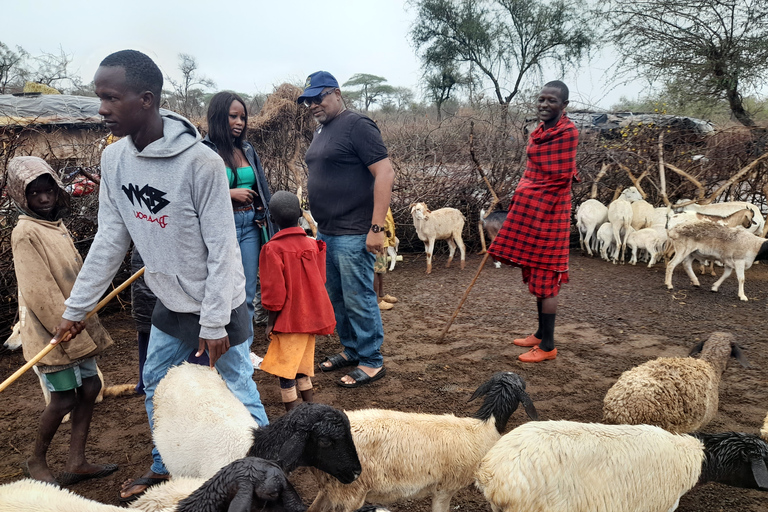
(48, 109)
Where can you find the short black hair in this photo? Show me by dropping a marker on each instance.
(557, 84)
(141, 72)
(285, 209)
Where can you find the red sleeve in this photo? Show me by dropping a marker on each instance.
(321, 258)
(272, 277)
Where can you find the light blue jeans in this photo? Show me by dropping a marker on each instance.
(249, 239)
(234, 366)
(349, 281)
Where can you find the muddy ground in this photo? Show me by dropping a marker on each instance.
(611, 318)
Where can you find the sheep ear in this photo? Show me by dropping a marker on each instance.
(243, 498)
(291, 451)
(530, 410)
(739, 355)
(696, 349)
(482, 390)
(760, 472)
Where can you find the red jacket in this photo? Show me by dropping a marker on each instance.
(292, 272)
(537, 230)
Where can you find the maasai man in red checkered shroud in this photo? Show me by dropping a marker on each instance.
(536, 233)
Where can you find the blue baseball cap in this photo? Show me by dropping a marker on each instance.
(315, 84)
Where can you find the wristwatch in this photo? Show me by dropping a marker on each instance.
(376, 228)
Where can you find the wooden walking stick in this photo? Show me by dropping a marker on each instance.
(18, 373)
(466, 293)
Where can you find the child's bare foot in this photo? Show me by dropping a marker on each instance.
(39, 470)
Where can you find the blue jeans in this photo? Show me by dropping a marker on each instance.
(349, 281)
(234, 366)
(249, 238)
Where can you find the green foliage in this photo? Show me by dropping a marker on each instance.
(499, 41)
(371, 89)
(706, 49)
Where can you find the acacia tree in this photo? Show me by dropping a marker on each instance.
(372, 88)
(716, 49)
(500, 41)
(440, 82)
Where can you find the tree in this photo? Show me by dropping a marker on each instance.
(716, 49)
(371, 88)
(439, 83)
(500, 41)
(187, 97)
(11, 68)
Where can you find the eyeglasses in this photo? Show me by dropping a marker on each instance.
(316, 100)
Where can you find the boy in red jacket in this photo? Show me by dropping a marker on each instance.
(292, 272)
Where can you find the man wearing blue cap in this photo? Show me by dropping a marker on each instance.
(349, 186)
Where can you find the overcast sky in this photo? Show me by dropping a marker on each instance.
(249, 46)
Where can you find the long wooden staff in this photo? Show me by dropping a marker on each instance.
(18, 373)
(466, 293)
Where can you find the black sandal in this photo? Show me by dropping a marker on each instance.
(337, 361)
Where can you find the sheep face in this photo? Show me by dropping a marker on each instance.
(735, 459)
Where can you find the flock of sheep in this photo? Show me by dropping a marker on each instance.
(643, 457)
(730, 233)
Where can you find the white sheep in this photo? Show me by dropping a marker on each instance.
(727, 208)
(590, 215)
(647, 239)
(564, 466)
(13, 342)
(735, 248)
(620, 217)
(443, 224)
(605, 242)
(642, 214)
(679, 394)
(314, 435)
(411, 455)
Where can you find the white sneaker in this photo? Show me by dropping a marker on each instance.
(256, 361)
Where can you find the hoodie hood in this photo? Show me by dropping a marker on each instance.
(179, 134)
(23, 170)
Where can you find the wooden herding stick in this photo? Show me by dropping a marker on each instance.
(466, 293)
(18, 373)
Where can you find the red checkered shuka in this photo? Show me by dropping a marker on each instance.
(537, 229)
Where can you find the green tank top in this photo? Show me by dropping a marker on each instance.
(245, 177)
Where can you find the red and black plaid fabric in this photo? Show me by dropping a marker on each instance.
(537, 229)
(542, 283)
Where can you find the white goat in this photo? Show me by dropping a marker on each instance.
(412, 455)
(620, 217)
(727, 208)
(443, 224)
(679, 394)
(736, 248)
(647, 239)
(564, 466)
(590, 215)
(642, 214)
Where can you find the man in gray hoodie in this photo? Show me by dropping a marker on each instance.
(165, 190)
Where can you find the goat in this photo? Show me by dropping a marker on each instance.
(443, 224)
(491, 224)
(620, 217)
(590, 215)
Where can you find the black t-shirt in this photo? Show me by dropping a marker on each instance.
(340, 186)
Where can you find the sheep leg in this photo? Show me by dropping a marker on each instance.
(633, 260)
(675, 261)
(462, 249)
(581, 238)
(617, 240)
(451, 251)
(587, 241)
(441, 501)
(624, 242)
(428, 247)
(739, 267)
(726, 272)
(688, 266)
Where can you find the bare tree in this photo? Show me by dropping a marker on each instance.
(11, 68)
(188, 97)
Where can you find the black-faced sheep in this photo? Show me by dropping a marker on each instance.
(412, 455)
(736, 248)
(678, 394)
(563, 466)
(244, 485)
(443, 224)
(310, 435)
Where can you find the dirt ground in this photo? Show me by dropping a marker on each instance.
(611, 318)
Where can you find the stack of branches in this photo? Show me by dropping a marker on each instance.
(281, 134)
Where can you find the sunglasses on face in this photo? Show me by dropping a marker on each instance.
(316, 100)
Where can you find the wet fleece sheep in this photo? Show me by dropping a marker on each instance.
(678, 394)
(411, 455)
(564, 466)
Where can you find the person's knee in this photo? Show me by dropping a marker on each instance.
(62, 402)
(90, 388)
